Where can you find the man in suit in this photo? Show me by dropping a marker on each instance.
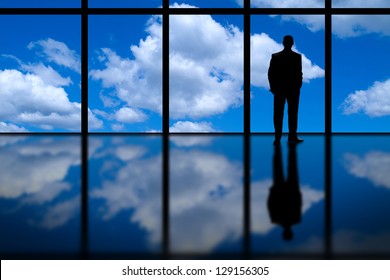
(285, 79)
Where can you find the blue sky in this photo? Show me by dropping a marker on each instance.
(40, 4)
(124, 4)
(40, 73)
(210, 3)
(206, 71)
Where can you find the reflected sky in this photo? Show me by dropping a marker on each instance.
(125, 194)
(39, 194)
(206, 194)
(361, 194)
(308, 234)
(40, 210)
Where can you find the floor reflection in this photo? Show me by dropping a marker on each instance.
(287, 192)
(125, 194)
(203, 202)
(39, 195)
(206, 194)
(361, 195)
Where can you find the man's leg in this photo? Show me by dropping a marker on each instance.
(293, 104)
(279, 101)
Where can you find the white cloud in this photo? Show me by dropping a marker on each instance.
(9, 127)
(47, 74)
(187, 126)
(344, 26)
(109, 101)
(206, 68)
(27, 99)
(374, 166)
(34, 94)
(356, 25)
(136, 82)
(130, 115)
(59, 53)
(360, 4)
(374, 102)
(288, 3)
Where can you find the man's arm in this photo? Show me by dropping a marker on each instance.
(272, 74)
(300, 71)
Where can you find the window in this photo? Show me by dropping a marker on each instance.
(162, 72)
(267, 34)
(206, 73)
(361, 79)
(198, 83)
(40, 73)
(125, 73)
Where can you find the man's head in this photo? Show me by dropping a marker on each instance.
(288, 41)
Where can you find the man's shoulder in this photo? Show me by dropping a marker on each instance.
(277, 54)
(283, 53)
(296, 54)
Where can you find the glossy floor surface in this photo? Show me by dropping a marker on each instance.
(195, 196)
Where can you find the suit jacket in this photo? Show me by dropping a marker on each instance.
(285, 72)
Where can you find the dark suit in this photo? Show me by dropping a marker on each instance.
(285, 79)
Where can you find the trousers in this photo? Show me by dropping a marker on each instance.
(280, 99)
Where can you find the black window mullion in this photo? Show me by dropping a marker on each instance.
(165, 129)
(247, 130)
(84, 129)
(328, 129)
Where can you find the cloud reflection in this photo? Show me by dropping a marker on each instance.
(374, 166)
(206, 191)
(34, 172)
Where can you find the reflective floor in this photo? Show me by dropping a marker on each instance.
(199, 196)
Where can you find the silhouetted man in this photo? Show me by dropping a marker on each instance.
(285, 199)
(285, 79)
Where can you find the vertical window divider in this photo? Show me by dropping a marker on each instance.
(328, 129)
(84, 129)
(165, 130)
(247, 130)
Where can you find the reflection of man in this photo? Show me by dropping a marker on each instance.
(285, 79)
(285, 199)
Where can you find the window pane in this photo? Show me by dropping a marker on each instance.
(39, 196)
(361, 77)
(275, 196)
(125, 68)
(266, 38)
(40, 74)
(206, 194)
(124, 3)
(125, 205)
(287, 4)
(360, 4)
(360, 195)
(206, 3)
(206, 73)
(40, 4)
